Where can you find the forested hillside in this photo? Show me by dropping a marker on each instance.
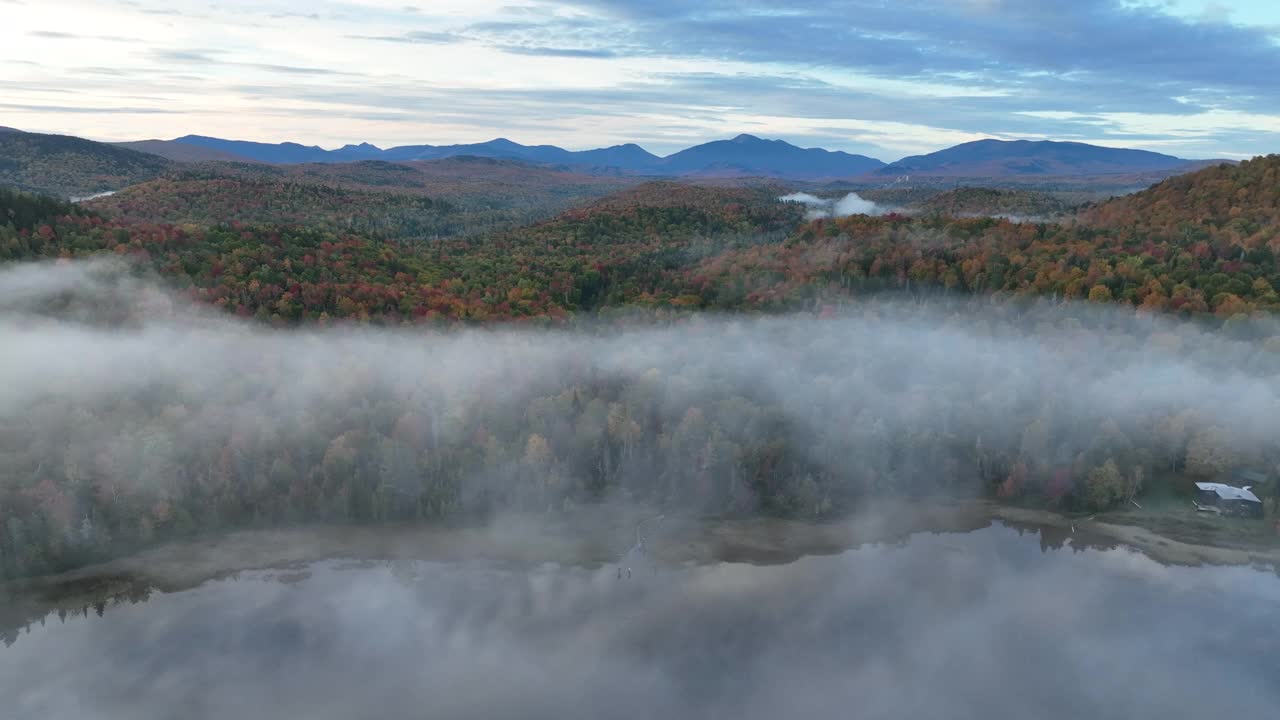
(1236, 204)
(233, 200)
(1202, 244)
(65, 166)
(505, 181)
(24, 212)
(610, 253)
(403, 201)
(980, 201)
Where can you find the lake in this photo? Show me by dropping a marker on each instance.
(998, 622)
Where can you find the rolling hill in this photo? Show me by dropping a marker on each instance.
(410, 200)
(65, 166)
(991, 202)
(1045, 158)
(606, 253)
(1240, 202)
(283, 153)
(1194, 245)
(235, 201)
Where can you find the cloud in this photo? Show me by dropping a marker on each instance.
(425, 37)
(292, 69)
(58, 35)
(511, 26)
(557, 52)
(186, 55)
(114, 72)
(214, 57)
(88, 110)
(1090, 44)
(297, 15)
(851, 204)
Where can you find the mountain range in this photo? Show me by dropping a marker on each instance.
(742, 156)
(745, 155)
(37, 162)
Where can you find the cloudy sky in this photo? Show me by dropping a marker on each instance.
(887, 78)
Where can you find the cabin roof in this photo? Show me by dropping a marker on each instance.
(1227, 492)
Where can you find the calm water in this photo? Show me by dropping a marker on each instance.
(988, 624)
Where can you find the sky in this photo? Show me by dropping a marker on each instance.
(886, 78)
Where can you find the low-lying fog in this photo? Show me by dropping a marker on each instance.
(106, 375)
(819, 207)
(129, 415)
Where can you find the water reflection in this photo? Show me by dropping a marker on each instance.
(993, 623)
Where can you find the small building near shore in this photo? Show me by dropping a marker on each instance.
(1228, 499)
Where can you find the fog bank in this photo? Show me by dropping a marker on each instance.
(851, 204)
(129, 415)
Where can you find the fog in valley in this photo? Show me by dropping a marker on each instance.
(130, 418)
(130, 415)
(819, 207)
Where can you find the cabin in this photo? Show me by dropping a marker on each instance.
(1227, 499)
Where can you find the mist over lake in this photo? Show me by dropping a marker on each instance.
(998, 622)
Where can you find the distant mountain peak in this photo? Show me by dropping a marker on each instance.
(991, 157)
(749, 155)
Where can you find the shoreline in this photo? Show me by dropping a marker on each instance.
(601, 540)
(1163, 548)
